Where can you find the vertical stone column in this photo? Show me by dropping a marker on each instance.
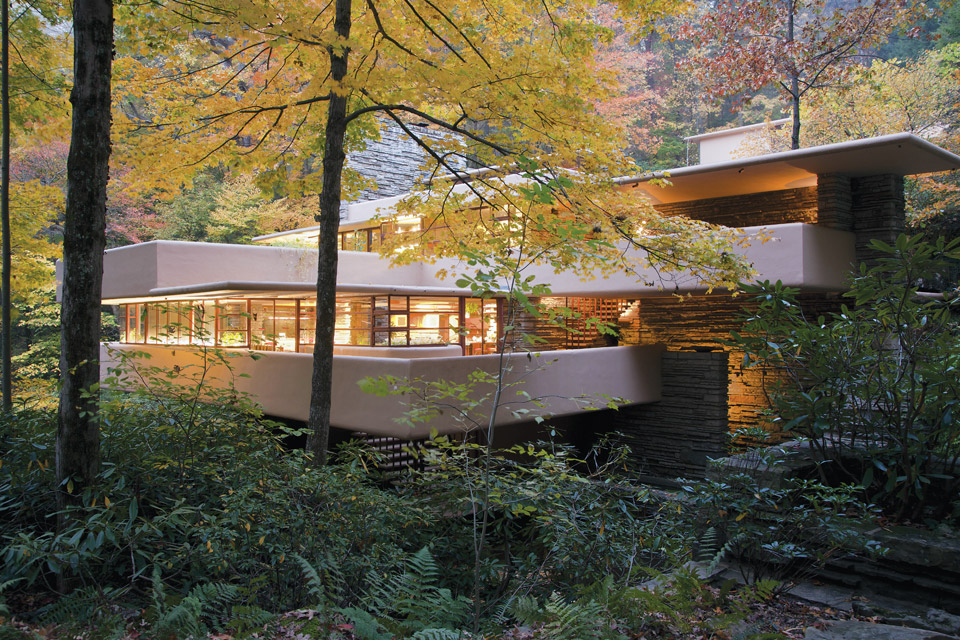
(676, 436)
(834, 201)
(878, 212)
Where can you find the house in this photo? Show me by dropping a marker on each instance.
(821, 207)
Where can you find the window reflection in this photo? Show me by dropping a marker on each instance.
(353, 321)
(288, 325)
(480, 326)
(307, 328)
(232, 325)
(434, 320)
(273, 325)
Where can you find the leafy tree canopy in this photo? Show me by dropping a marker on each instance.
(246, 84)
(794, 45)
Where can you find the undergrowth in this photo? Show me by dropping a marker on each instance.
(201, 522)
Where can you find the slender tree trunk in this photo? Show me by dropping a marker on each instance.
(794, 81)
(78, 434)
(5, 321)
(795, 97)
(329, 219)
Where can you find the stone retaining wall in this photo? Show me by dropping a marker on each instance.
(919, 566)
(394, 161)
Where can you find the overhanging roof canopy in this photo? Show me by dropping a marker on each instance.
(292, 290)
(900, 154)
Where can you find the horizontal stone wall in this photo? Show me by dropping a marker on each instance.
(773, 207)
(700, 323)
(678, 435)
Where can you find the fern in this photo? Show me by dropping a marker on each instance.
(214, 596)
(527, 610)
(562, 620)
(762, 590)
(4, 609)
(186, 618)
(439, 634)
(730, 547)
(410, 601)
(654, 609)
(158, 590)
(419, 573)
(247, 617)
(82, 606)
(365, 626)
(324, 580)
(600, 591)
(573, 620)
(314, 583)
(216, 600)
(709, 545)
(181, 621)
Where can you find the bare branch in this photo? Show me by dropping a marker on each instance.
(433, 154)
(433, 31)
(391, 40)
(455, 128)
(460, 31)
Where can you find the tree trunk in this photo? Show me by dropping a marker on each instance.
(78, 434)
(5, 316)
(795, 135)
(794, 80)
(329, 219)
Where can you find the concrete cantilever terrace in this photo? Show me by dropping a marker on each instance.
(821, 206)
(163, 271)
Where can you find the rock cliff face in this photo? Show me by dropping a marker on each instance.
(395, 162)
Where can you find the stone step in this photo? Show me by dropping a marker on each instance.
(858, 630)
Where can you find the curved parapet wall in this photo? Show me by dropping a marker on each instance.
(565, 382)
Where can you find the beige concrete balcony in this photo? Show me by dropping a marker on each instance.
(801, 255)
(567, 382)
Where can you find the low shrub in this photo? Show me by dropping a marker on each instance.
(782, 531)
(549, 526)
(200, 521)
(873, 387)
(194, 486)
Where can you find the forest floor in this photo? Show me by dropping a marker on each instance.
(780, 617)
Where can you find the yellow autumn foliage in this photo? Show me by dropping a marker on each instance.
(245, 84)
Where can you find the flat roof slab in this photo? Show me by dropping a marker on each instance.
(902, 154)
